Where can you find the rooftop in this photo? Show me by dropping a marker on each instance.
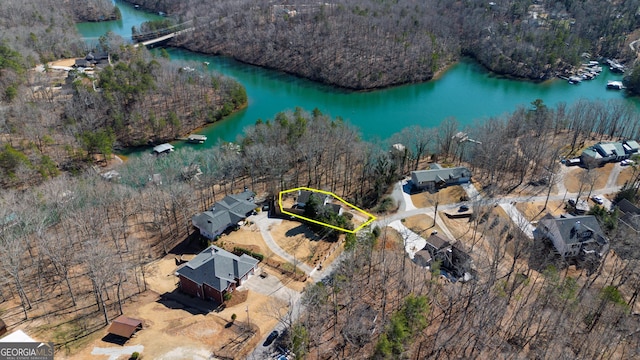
(217, 267)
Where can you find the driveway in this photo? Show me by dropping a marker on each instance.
(412, 241)
(518, 219)
(264, 222)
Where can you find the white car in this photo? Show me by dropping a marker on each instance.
(626, 162)
(597, 199)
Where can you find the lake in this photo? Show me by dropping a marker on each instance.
(466, 91)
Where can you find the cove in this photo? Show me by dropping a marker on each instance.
(466, 91)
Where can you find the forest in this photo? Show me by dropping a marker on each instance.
(376, 43)
(52, 122)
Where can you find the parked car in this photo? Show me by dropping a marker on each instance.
(597, 199)
(571, 202)
(274, 335)
(626, 162)
(463, 208)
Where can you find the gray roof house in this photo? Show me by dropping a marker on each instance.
(438, 177)
(573, 236)
(437, 248)
(214, 272)
(603, 152)
(224, 214)
(631, 146)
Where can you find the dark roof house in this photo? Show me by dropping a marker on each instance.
(214, 272)
(573, 237)
(224, 214)
(438, 177)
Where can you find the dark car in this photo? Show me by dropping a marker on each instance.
(463, 208)
(274, 335)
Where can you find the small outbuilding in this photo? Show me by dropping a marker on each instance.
(125, 326)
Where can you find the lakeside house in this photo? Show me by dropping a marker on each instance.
(215, 272)
(574, 237)
(224, 214)
(604, 152)
(97, 59)
(438, 177)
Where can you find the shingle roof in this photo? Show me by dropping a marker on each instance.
(573, 228)
(437, 242)
(217, 267)
(443, 174)
(229, 210)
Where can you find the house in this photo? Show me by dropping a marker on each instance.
(573, 236)
(604, 152)
(631, 146)
(224, 214)
(125, 326)
(303, 198)
(629, 214)
(99, 59)
(215, 272)
(439, 249)
(438, 177)
(82, 63)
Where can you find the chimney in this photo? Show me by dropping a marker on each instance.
(576, 226)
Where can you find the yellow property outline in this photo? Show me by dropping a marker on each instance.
(371, 217)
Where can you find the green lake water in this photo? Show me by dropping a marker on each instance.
(466, 92)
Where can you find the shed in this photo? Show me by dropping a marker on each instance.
(125, 326)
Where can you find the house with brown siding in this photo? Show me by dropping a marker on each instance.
(215, 272)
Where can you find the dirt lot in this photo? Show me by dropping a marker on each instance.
(422, 225)
(174, 321)
(574, 178)
(298, 240)
(534, 211)
(626, 174)
(248, 237)
(63, 62)
(448, 195)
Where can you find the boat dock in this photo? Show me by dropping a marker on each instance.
(196, 139)
(163, 149)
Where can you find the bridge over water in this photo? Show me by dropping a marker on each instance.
(159, 35)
